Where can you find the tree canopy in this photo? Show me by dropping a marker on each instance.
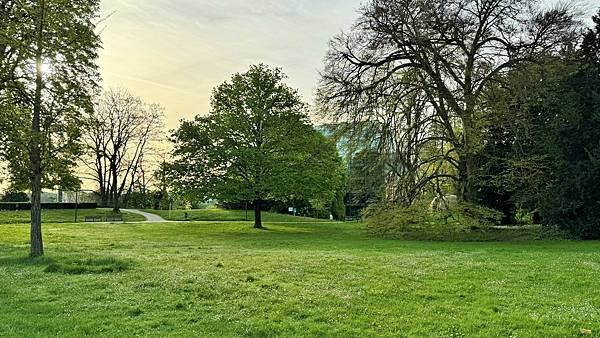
(442, 55)
(256, 144)
(48, 72)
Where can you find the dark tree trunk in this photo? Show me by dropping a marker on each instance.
(465, 178)
(104, 199)
(466, 163)
(258, 214)
(35, 150)
(115, 189)
(37, 244)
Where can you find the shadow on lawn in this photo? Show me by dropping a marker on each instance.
(70, 265)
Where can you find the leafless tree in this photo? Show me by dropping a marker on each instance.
(452, 50)
(120, 138)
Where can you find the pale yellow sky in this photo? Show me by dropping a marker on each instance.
(174, 52)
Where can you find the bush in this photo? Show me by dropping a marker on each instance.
(418, 222)
(574, 202)
(138, 200)
(15, 196)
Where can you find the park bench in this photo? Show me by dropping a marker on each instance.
(353, 218)
(93, 218)
(114, 218)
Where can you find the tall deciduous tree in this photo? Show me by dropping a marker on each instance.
(256, 144)
(453, 49)
(120, 136)
(48, 50)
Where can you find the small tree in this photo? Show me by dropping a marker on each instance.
(256, 144)
(119, 139)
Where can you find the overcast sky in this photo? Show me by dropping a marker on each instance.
(173, 52)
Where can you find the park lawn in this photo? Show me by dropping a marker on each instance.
(228, 215)
(304, 279)
(62, 216)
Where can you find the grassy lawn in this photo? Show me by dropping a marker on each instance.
(62, 216)
(304, 279)
(228, 215)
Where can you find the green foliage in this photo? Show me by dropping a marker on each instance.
(255, 145)
(337, 205)
(546, 143)
(69, 77)
(459, 222)
(15, 196)
(573, 202)
(590, 46)
(141, 200)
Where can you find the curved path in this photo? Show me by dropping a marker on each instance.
(150, 218)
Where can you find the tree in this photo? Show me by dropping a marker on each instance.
(590, 47)
(255, 145)
(48, 50)
(450, 51)
(549, 125)
(120, 137)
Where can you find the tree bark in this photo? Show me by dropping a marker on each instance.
(115, 191)
(258, 214)
(35, 148)
(466, 162)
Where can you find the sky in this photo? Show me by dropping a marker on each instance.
(173, 52)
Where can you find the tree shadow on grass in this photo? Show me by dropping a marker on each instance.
(78, 265)
(16, 261)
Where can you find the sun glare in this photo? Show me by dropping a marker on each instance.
(47, 67)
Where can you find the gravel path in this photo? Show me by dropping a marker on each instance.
(150, 218)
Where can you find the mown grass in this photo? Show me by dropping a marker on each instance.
(228, 215)
(62, 216)
(303, 279)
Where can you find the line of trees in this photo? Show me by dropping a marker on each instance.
(494, 101)
(411, 75)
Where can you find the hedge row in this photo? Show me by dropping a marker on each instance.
(47, 206)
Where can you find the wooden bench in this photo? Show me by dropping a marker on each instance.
(353, 218)
(114, 218)
(93, 218)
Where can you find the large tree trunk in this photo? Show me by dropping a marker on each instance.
(465, 178)
(466, 160)
(35, 150)
(115, 189)
(258, 214)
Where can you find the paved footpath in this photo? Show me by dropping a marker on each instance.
(150, 218)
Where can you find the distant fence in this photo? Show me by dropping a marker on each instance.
(47, 206)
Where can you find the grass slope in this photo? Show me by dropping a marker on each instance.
(305, 279)
(228, 215)
(62, 216)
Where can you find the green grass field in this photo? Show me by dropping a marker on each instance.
(303, 279)
(228, 215)
(62, 216)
